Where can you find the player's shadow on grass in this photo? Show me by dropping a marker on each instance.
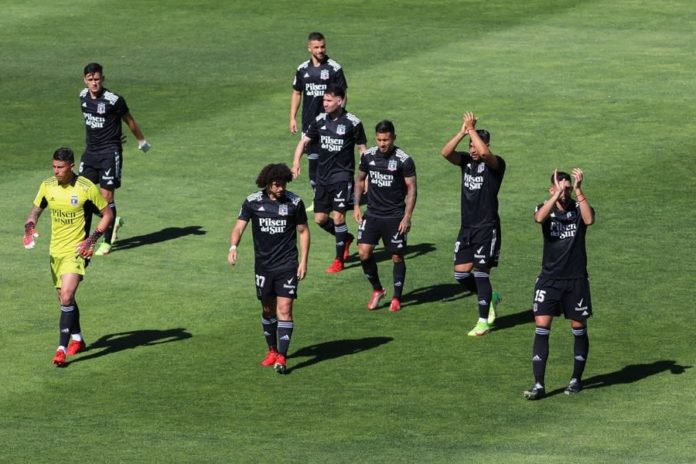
(629, 374)
(168, 233)
(113, 343)
(335, 349)
(381, 255)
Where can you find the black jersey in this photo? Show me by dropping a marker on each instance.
(565, 256)
(102, 117)
(312, 81)
(386, 194)
(480, 186)
(274, 227)
(337, 138)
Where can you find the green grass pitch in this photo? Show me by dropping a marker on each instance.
(172, 374)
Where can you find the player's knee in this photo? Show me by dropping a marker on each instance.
(397, 258)
(579, 331)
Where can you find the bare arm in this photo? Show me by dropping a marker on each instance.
(34, 215)
(29, 227)
(303, 230)
(133, 126)
(542, 213)
(411, 195)
(357, 193)
(235, 237)
(449, 150)
(362, 148)
(585, 208)
(106, 218)
(299, 150)
(295, 99)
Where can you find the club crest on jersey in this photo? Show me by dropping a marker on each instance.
(101, 108)
(324, 74)
(73, 200)
(341, 129)
(282, 210)
(392, 165)
(480, 168)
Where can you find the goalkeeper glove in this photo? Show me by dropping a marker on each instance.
(29, 235)
(86, 247)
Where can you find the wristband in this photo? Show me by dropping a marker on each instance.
(233, 248)
(29, 227)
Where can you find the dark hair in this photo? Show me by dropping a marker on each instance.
(270, 173)
(64, 154)
(560, 175)
(335, 90)
(92, 68)
(385, 126)
(315, 36)
(484, 134)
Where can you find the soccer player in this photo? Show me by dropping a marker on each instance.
(477, 248)
(102, 159)
(338, 132)
(69, 197)
(391, 198)
(277, 218)
(311, 80)
(562, 284)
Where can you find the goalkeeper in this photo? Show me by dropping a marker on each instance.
(67, 195)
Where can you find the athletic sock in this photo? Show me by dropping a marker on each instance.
(329, 227)
(540, 353)
(399, 278)
(76, 329)
(466, 280)
(284, 336)
(109, 232)
(67, 316)
(369, 267)
(270, 326)
(341, 237)
(485, 293)
(581, 348)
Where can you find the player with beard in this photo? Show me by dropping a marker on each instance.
(477, 248)
(391, 198)
(277, 217)
(311, 80)
(338, 132)
(69, 197)
(563, 284)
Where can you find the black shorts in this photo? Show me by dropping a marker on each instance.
(103, 168)
(478, 246)
(570, 297)
(372, 229)
(281, 283)
(333, 197)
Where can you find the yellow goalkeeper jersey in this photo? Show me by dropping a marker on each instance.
(67, 205)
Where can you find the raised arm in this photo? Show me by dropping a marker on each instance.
(585, 208)
(449, 150)
(543, 212)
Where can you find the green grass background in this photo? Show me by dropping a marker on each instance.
(173, 372)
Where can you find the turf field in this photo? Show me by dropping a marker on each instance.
(172, 372)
